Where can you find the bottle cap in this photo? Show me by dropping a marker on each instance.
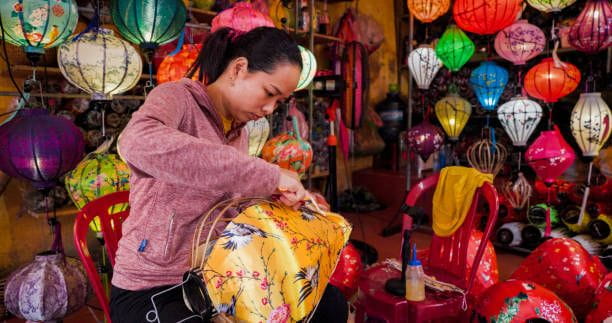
(414, 261)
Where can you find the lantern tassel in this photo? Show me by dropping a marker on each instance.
(585, 196)
(548, 222)
(179, 45)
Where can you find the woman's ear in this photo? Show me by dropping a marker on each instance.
(239, 68)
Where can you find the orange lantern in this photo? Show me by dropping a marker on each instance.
(428, 10)
(551, 80)
(486, 17)
(175, 67)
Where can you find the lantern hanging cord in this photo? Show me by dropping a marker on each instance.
(549, 105)
(519, 160)
(8, 64)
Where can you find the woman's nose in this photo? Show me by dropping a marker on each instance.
(268, 108)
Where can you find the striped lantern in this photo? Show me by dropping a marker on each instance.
(486, 156)
(424, 65)
(551, 80)
(100, 64)
(258, 131)
(590, 123)
(550, 5)
(592, 30)
(485, 17)
(519, 117)
(428, 10)
(242, 17)
(309, 68)
(454, 48)
(453, 113)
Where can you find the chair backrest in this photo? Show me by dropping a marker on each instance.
(448, 255)
(111, 231)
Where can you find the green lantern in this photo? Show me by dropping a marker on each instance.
(38, 24)
(98, 174)
(149, 23)
(455, 48)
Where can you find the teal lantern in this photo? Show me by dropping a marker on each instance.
(488, 82)
(38, 24)
(455, 48)
(149, 23)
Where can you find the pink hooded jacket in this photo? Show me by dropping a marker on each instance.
(182, 164)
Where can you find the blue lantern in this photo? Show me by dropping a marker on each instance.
(488, 81)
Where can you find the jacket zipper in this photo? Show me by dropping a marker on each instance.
(169, 232)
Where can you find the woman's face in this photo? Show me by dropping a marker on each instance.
(255, 95)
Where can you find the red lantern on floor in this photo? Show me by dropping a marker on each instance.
(348, 270)
(592, 30)
(601, 302)
(551, 80)
(486, 17)
(175, 67)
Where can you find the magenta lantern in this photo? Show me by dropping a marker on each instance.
(242, 17)
(550, 155)
(592, 30)
(520, 42)
(39, 147)
(425, 139)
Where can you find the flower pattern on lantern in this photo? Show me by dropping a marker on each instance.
(550, 5)
(289, 151)
(424, 65)
(28, 24)
(100, 64)
(485, 17)
(520, 42)
(519, 117)
(590, 123)
(551, 80)
(453, 113)
(489, 81)
(549, 155)
(592, 30)
(454, 48)
(428, 10)
(242, 17)
(258, 131)
(424, 139)
(173, 68)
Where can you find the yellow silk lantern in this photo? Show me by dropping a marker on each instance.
(453, 113)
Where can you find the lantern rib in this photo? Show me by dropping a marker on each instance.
(78, 60)
(176, 11)
(125, 70)
(154, 38)
(137, 22)
(104, 56)
(121, 22)
(21, 23)
(60, 35)
(44, 33)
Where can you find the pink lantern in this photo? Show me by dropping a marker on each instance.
(242, 17)
(550, 155)
(520, 42)
(591, 31)
(425, 139)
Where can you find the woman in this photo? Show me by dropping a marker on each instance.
(186, 148)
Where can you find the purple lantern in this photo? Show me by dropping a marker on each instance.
(520, 42)
(39, 147)
(425, 139)
(592, 30)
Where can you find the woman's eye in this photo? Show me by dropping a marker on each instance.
(269, 93)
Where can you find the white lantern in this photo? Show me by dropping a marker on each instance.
(519, 117)
(258, 131)
(100, 64)
(424, 64)
(590, 123)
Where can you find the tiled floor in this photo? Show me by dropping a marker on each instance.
(366, 227)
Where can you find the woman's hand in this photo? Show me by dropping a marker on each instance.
(291, 190)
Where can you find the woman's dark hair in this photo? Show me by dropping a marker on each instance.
(263, 47)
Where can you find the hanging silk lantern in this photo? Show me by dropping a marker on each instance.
(520, 42)
(486, 156)
(550, 155)
(424, 65)
(309, 68)
(149, 23)
(242, 17)
(590, 123)
(488, 82)
(38, 24)
(485, 17)
(258, 131)
(550, 5)
(173, 68)
(428, 10)
(454, 48)
(97, 175)
(517, 192)
(592, 30)
(453, 113)
(39, 147)
(519, 117)
(47, 289)
(100, 64)
(424, 139)
(289, 151)
(355, 72)
(549, 81)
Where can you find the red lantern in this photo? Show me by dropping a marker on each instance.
(175, 67)
(550, 155)
(567, 269)
(601, 303)
(486, 17)
(347, 271)
(242, 17)
(517, 301)
(551, 80)
(592, 30)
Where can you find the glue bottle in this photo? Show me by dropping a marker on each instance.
(415, 279)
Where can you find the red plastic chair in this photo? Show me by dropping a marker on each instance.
(111, 231)
(447, 262)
